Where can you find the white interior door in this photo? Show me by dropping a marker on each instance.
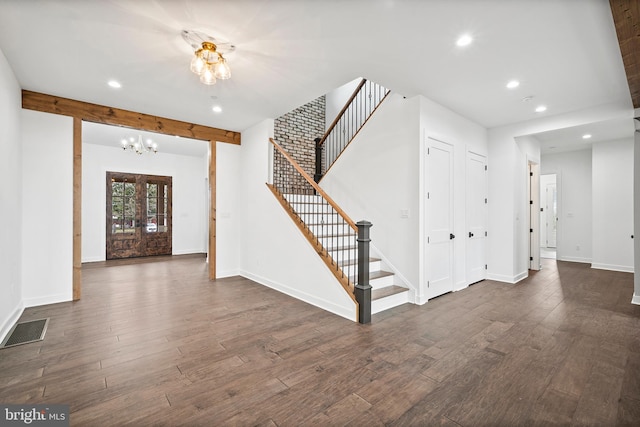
(534, 216)
(439, 218)
(552, 214)
(476, 189)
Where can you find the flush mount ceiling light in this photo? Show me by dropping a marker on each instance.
(586, 136)
(513, 84)
(208, 61)
(464, 40)
(114, 84)
(139, 146)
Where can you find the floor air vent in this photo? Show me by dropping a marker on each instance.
(26, 332)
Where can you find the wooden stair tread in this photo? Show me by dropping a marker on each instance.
(375, 275)
(386, 291)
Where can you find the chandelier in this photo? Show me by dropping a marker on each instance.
(138, 146)
(208, 61)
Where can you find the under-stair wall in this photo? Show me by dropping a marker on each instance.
(381, 174)
(274, 252)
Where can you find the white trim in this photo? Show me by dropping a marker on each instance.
(462, 285)
(227, 273)
(10, 321)
(391, 301)
(310, 299)
(508, 279)
(636, 299)
(575, 259)
(523, 275)
(190, 252)
(612, 267)
(48, 299)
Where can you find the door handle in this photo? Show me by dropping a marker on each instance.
(470, 234)
(452, 236)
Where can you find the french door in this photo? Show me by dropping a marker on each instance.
(138, 215)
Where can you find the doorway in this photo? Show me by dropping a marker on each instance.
(138, 217)
(548, 216)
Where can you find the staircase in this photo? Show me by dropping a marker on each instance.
(342, 244)
(387, 291)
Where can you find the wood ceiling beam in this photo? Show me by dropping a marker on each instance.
(114, 116)
(626, 17)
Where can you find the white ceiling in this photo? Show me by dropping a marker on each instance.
(288, 52)
(110, 136)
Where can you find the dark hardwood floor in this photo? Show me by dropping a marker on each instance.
(157, 344)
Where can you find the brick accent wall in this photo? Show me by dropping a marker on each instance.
(296, 131)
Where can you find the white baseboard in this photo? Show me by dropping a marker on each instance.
(10, 321)
(49, 299)
(611, 267)
(346, 312)
(575, 259)
(636, 299)
(228, 273)
(507, 279)
(521, 276)
(461, 286)
(93, 259)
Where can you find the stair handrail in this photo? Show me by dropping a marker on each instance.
(355, 113)
(341, 113)
(315, 186)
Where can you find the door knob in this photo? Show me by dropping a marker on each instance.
(470, 234)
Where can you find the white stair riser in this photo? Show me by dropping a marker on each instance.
(391, 301)
(381, 282)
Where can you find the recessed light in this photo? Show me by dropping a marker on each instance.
(217, 109)
(464, 40)
(513, 84)
(114, 84)
(541, 108)
(586, 136)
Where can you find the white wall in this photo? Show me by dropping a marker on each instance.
(10, 199)
(528, 152)
(381, 173)
(377, 176)
(504, 180)
(445, 125)
(335, 100)
(228, 215)
(274, 251)
(545, 180)
(573, 173)
(612, 183)
(47, 208)
(189, 175)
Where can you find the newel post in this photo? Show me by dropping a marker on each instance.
(362, 287)
(318, 175)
